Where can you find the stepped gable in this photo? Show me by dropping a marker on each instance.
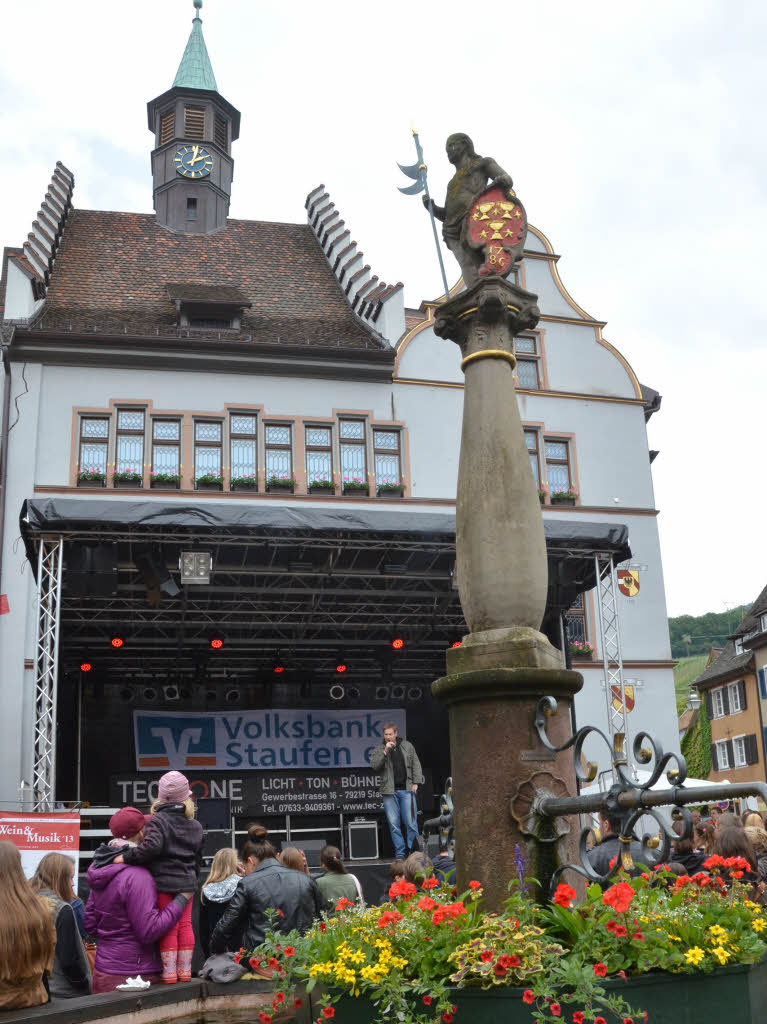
(113, 272)
(375, 303)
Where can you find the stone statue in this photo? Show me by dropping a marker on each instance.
(471, 178)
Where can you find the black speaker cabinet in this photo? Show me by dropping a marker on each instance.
(213, 841)
(311, 848)
(363, 840)
(213, 812)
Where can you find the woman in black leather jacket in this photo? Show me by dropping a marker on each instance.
(269, 886)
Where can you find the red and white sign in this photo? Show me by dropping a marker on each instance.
(36, 834)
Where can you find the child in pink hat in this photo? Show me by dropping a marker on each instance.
(172, 850)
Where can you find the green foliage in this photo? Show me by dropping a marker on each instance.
(705, 631)
(685, 672)
(696, 746)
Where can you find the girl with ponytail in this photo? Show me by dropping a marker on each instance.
(336, 884)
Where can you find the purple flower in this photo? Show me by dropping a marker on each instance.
(520, 864)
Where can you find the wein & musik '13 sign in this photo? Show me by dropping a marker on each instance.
(272, 738)
(264, 792)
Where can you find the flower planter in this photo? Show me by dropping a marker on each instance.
(278, 489)
(208, 487)
(163, 485)
(360, 492)
(126, 484)
(91, 483)
(390, 492)
(562, 501)
(315, 489)
(244, 487)
(737, 994)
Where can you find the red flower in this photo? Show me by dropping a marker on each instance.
(713, 862)
(402, 888)
(486, 956)
(638, 936)
(279, 997)
(447, 1017)
(238, 957)
(600, 970)
(323, 927)
(622, 974)
(389, 917)
(273, 962)
(265, 1018)
(611, 925)
(499, 970)
(564, 895)
(527, 996)
(427, 1000)
(508, 961)
(556, 1009)
(289, 951)
(426, 903)
(599, 1020)
(475, 885)
(254, 962)
(613, 861)
(429, 883)
(578, 1017)
(343, 903)
(619, 897)
(280, 913)
(297, 1003)
(628, 1020)
(328, 1012)
(620, 931)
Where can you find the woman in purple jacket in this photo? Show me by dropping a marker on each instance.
(122, 909)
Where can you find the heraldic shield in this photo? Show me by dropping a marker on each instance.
(497, 224)
(628, 582)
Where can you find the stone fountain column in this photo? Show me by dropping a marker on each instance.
(505, 664)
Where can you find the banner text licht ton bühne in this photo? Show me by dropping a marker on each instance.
(267, 739)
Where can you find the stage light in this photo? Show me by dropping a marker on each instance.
(86, 666)
(398, 643)
(117, 641)
(149, 693)
(415, 693)
(232, 696)
(352, 692)
(456, 643)
(337, 692)
(382, 692)
(398, 693)
(341, 667)
(195, 566)
(171, 693)
(216, 641)
(279, 668)
(127, 695)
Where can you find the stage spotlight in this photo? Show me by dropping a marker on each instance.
(171, 692)
(382, 692)
(398, 643)
(352, 692)
(341, 666)
(195, 566)
(211, 696)
(398, 693)
(126, 695)
(279, 668)
(337, 692)
(415, 693)
(232, 696)
(117, 641)
(456, 643)
(215, 641)
(149, 694)
(85, 666)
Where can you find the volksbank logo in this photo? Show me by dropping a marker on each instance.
(175, 741)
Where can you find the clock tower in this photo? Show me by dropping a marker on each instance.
(194, 128)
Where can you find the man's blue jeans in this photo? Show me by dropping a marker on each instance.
(399, 812)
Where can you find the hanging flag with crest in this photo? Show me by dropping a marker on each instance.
(628, 582)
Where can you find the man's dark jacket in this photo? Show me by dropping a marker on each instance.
(270, 885)
(600, 856)
(171, 849)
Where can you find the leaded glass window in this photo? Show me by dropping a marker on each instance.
(575, 621)
(242, 446)
(386, 444)
(319, 455)
(527, 372)
(557, 465)
(278, 451)
(94, 444)
(207, 448)
(528, 362)
(166, 447)
(353, 455)
(531, 440)
(129, 451)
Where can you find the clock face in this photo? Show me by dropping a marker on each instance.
(193, 161)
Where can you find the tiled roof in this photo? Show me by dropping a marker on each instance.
(113, 269)
(729, 663)
(211, 294)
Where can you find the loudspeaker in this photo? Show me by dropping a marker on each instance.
(91, 570)
(432, 845)
(214, 841)
(311, 848)
(363, 840)
(214, 813)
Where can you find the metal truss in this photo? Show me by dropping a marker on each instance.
(49, 568)
(610, 646)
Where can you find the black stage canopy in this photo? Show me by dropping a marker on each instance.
(294, 582)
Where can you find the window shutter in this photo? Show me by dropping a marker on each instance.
(762, 684)
(752, 755)
(714, 762)
(725, 701)
(730, 753)
(709, 705)
(742, 694)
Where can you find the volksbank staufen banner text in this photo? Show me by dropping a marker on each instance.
(266, 739)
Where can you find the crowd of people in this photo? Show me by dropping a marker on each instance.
(138, 917)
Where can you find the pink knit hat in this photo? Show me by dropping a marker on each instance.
(173, 788)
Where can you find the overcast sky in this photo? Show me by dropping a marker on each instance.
(634, 134)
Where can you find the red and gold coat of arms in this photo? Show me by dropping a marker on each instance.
(497, 224)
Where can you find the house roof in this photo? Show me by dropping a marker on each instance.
(112, 272)
(728, 663)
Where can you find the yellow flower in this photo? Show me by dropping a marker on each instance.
(674, 938)
(721, 954)
(694, 955)
(716, 929)
(758, 924)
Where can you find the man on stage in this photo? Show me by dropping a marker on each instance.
(397, 763)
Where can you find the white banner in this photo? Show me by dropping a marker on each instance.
(267, 739)
(36, 834)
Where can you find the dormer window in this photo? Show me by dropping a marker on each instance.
(739, 646)
(208, 307)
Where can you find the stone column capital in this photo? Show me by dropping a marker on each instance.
(490, 303)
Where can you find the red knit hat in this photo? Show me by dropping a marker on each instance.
(127, 822)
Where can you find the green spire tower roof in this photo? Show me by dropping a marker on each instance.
(195, 71)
